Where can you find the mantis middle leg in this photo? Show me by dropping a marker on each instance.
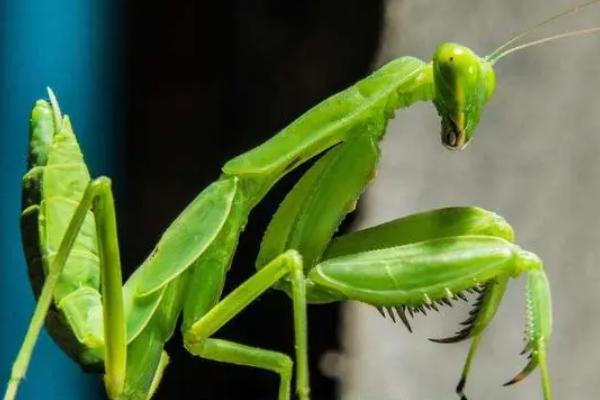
(198, 341)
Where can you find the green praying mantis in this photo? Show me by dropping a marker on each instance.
(412, 264)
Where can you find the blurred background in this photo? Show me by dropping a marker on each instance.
(162, 95)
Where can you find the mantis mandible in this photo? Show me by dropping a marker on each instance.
(413, 264)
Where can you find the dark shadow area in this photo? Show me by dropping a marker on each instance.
(204, 82)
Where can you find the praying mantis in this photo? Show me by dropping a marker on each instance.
(408, 265)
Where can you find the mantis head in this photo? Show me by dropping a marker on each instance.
(463, 84)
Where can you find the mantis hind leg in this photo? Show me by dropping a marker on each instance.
(197, 336)
(98, 196)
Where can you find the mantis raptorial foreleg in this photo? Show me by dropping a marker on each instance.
(460, 222)
(428, 274)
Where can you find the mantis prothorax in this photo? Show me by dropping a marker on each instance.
(412, 264)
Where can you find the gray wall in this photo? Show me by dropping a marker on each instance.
(535, 161)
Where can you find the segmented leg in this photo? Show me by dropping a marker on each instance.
(539, 328)
(98, 196)
(235, 353)
(198, 342)
(482, 314)
(445, 268)
(434, 224)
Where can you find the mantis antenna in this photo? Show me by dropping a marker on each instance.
(544, 40)
(500, 52)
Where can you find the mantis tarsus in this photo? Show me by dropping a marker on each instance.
(409, 265)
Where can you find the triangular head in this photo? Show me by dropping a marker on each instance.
(463, 84)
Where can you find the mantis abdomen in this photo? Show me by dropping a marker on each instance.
(52, 188)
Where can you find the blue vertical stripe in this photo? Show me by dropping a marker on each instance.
(70, 46)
